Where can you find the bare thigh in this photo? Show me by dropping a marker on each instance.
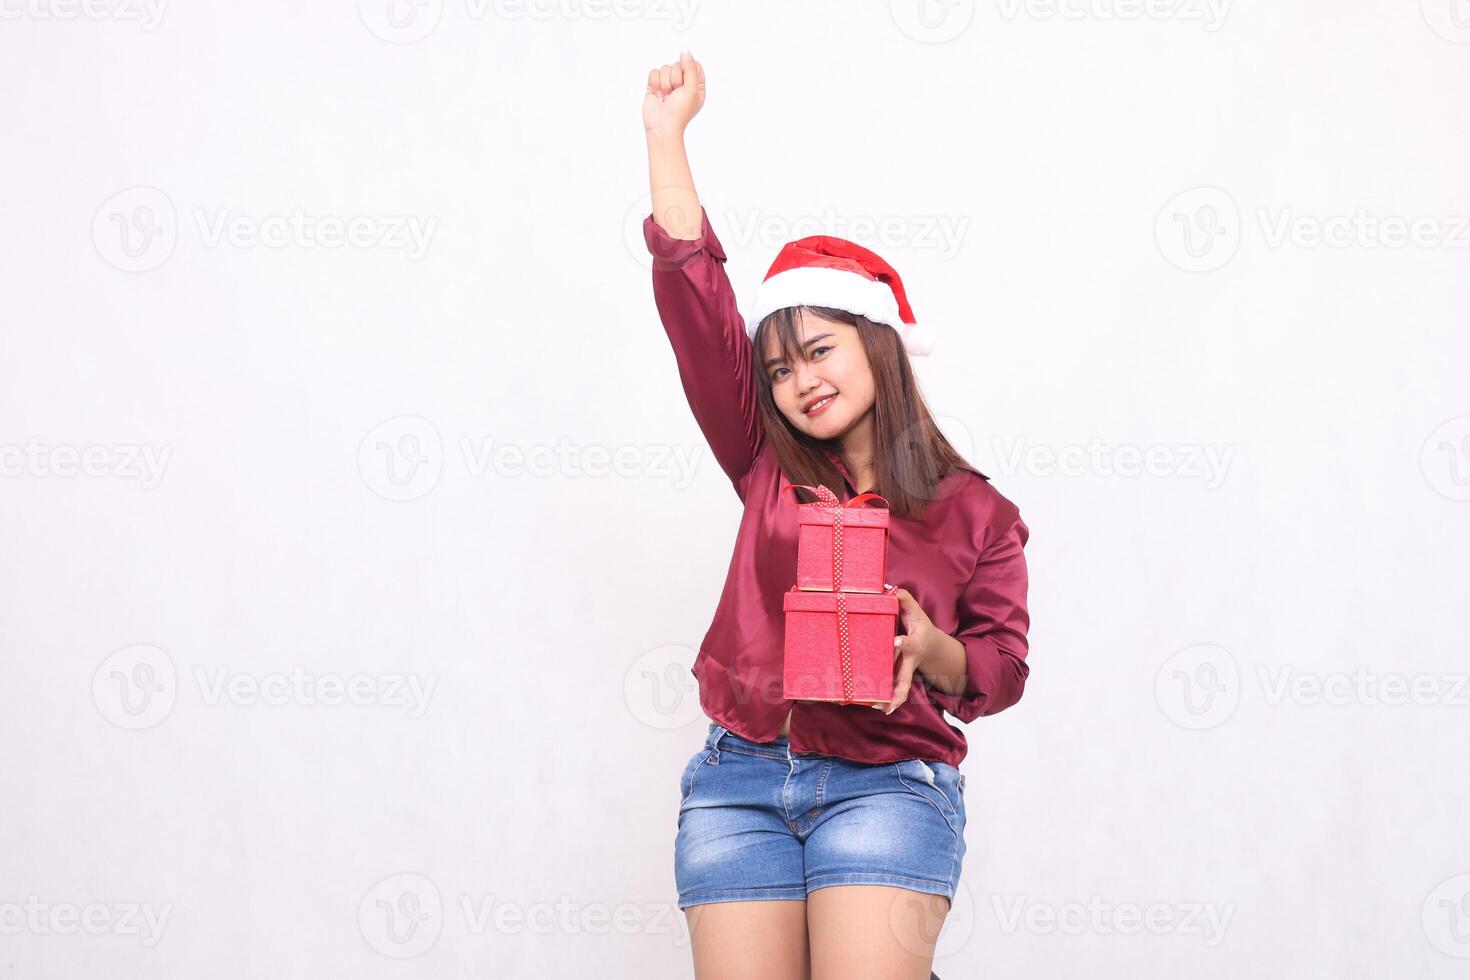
(748, 940)
(860, 932)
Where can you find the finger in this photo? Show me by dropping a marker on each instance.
(693, 70)
(676, 74)
(890, 704)
(901, 685)
(653, 81)
(665, 85)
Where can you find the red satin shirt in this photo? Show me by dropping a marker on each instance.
(963, 562)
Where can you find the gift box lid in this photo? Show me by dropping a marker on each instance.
(851, 516)
(858, 512)
(796, 600)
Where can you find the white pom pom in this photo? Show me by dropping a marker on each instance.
(919, 338)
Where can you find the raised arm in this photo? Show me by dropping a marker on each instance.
(694, 298)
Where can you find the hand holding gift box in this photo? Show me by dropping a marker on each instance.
(916, 647)
(839, 639)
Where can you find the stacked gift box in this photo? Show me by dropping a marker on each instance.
(840, 615)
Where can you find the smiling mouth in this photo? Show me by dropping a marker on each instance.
(818, 406)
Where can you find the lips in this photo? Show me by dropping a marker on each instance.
(818, 405)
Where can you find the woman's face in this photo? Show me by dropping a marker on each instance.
(833, 377)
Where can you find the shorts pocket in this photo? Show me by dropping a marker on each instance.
(952, 783)
(937, 783)
(691, 769)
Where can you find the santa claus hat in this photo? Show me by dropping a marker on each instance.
(823, 270)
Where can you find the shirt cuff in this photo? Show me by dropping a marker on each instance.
(671, 253)
(994, 680)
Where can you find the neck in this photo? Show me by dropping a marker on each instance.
(857, 452)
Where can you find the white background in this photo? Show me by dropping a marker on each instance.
(326, 498)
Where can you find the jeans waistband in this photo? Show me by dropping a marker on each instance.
(721, 739)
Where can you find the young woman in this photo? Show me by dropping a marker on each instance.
(819, 838)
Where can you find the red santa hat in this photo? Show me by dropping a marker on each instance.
(823, 270)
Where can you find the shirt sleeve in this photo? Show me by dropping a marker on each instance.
(716, 363)
(992, 625)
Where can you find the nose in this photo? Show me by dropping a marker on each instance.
(806, 378)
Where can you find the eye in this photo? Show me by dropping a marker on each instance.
(816, 352)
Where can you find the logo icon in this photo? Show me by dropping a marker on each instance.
(932, 21)
(402, 458)
(401, 916)
(135, 230)
(401, 21)
(911, 921)
(1445, 459)
(958, 434)
(1198, 687)
(1446, 917)
(135, 688)
(1450, 19)
(659, 689)
(1199, 230)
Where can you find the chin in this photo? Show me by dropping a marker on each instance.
(824, 427)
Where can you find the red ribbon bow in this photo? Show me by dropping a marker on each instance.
(826, 498)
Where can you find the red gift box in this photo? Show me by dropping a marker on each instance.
(841, 547)
(839, 646)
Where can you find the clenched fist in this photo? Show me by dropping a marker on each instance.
(675, 93)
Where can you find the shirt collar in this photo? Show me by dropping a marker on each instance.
(836, 459)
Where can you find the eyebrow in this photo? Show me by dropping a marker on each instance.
(810, 340)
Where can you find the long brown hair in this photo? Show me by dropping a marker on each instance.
(910, 454)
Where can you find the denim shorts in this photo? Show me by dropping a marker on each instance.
(759, 822)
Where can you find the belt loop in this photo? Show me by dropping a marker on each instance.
(716, 732)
